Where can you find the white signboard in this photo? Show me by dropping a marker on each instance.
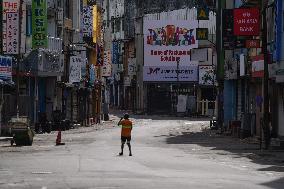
(5, 68)
(10, 26)
(170, 73)
(206, 75)
(87, 25)
(75, 69)
(167, 42)
(131, 66)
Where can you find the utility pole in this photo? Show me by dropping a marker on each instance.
(19, 58)
(220, 62)
(266, 129)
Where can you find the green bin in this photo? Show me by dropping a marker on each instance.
(22, 133)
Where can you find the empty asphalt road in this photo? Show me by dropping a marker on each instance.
(167, 153)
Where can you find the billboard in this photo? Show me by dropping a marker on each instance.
(39, 24)
(170, 73)
(5, 68)
(167, 42)
(246, 22)
(10, 26)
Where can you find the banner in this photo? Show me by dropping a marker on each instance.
(167, 42)
(5, 68)
(39, 24)
(87, 25)
(206, 75)
(170, 73)
(10, 26)
(75, 69)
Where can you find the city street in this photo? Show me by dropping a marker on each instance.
(167, 153)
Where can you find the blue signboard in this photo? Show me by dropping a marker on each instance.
(5, 68)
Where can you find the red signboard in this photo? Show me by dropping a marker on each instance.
(254, 43)
(246, 22)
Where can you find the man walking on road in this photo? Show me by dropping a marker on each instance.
(125, 133)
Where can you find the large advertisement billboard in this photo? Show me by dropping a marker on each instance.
(168, 43)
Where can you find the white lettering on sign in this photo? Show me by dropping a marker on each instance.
(246, 29)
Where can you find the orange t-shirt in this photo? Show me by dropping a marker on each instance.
(126, 128)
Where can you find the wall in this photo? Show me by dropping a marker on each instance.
(281, 112)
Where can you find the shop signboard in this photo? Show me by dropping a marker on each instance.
(10, 26)
(75, 69)
(206, 75)
(39, 24)
(5, 68)
(170, 73)
(246, 22)
(257, 66)
(167, 42)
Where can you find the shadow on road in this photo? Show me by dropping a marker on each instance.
(225, 145)
(276, 184)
